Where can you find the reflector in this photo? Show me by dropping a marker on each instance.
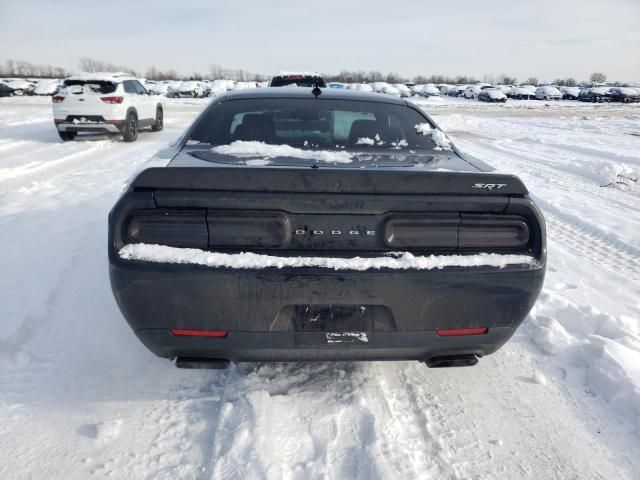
(459, 332)
(198, 333)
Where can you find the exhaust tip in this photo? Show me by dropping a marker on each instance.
(202, 363)
(452, 361)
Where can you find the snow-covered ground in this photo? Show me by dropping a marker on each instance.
(81, 398)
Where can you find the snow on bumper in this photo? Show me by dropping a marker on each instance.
(401, 261)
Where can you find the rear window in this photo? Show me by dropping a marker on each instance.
(90, 86)
(315, 123)
(298, 80)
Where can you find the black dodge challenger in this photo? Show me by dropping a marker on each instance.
(292, 224)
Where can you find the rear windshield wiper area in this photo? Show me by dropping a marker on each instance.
(358, 160)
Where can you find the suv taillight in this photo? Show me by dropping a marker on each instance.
(57, 99)
(112, 99)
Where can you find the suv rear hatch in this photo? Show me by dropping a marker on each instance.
(84, 99)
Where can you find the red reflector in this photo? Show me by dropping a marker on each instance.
(112, 99)
(57, 99)
(198, 333)
(459, 332)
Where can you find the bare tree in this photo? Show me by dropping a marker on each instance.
(91, 65)
(505, 79)
(532, 81)
(598, 77)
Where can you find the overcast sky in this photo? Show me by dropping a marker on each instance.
(545, 38)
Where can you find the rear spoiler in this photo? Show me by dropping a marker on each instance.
(326, 180)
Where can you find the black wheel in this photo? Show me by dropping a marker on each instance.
(597, 99)
(18, 93)
(66, 136)
(130, 133)
(159, 124)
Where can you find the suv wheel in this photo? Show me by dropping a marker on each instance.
(159, 124)
(66, 136)
(130, 133)
(18, 93)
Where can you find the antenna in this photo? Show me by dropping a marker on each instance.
(316, 89)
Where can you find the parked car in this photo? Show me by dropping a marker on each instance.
(570, 93)
(299, 79)
(361, 87)
(378, 86)
(548, 92)
(189, 89)
(595, 95)
(336, 85)
(105, 103)
(492, 95)
(391, 90)
(472, 91)
(457, 91)
(5, 90)
(625, 94)
(47, 87)
(522, 93)
(21, 87)
(403, 89)
(506, 89)
(238, 250)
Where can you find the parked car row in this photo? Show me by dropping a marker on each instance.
(20, 86)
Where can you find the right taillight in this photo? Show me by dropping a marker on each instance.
(57, 99)
(480, 231)
(112, 99)
(457, 232)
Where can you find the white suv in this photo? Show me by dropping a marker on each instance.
(105, 103)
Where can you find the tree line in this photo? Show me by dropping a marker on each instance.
(22, 69)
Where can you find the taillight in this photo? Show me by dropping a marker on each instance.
(57, 99)
(506, 231)
(174, 228)
(463, 232)
(179, 332)
(461, 332)
(112, 99)
(193, 228)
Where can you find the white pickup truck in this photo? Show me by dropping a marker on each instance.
(105, 103)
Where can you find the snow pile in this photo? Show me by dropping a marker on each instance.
(618, 175)
(244, 149)
(423, 128)
(401, 261)
(109, 429)
(365, 141)
(441, 140)
(597, 348)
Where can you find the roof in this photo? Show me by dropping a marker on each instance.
(305, 74)
(302, 92)
(102, 76)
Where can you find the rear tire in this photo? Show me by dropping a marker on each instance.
(159, 123)
(67, 136)
(18, 93)
(130, 133)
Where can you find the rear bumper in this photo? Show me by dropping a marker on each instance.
(113, 127)
(313, 346)
(257, 308)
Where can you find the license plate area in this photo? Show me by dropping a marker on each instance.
(332, 318)
(333, 325)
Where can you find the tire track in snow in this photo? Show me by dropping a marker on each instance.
(406, 437)
(599, 249)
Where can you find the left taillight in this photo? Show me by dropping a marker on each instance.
(175, 228)
(112, 99)
(57, 99)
